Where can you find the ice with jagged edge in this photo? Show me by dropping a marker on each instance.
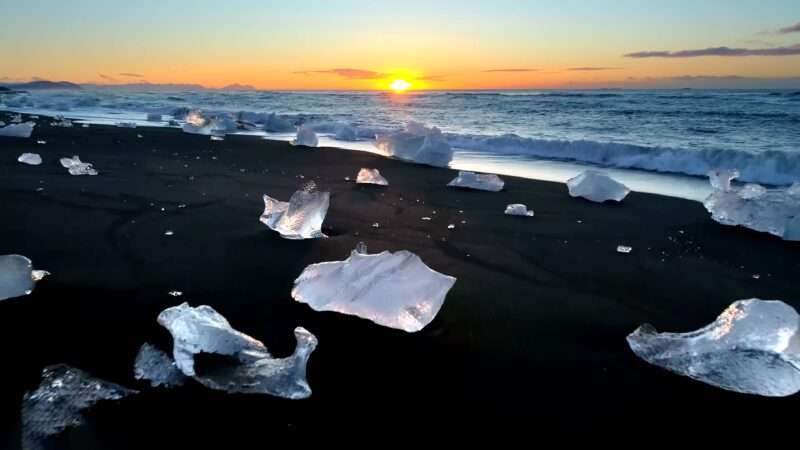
(346, 133)
(306, 136)
(274, 123)
(59, 401)
(395, 290)
(299, 218)
(75, 166)
(156, 367)
(198, 122)
(480, 181)
(753, 347)
(418, 143)
(17, 276)
(21, 130)
(32, 159)
(774, 211)
(597, 187)
(249, 368)
(518, 209)
(371, 176)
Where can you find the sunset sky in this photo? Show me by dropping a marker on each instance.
(317, 44)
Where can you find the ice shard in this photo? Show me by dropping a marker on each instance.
(371, 176)
(17, 277)
(299, 218)
(395, 290)
(479, 181)
(518, 209)
(156, 367)
(306, 136)
(246, 365)
(417, 143)
(753, 347)
(774, 211)
(75, 166)
(59, 401)
(21, 130)
(597, 187)
(32, 159)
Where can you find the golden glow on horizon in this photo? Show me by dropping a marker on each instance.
(400, 85)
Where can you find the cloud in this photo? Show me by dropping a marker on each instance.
(106, 77)
(132, 75)
(592, 69)
(352, 74)
(720, 51)
(509, 70)
(694, 81)
(790, 29)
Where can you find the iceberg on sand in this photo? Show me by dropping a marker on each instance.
(306, 136)
(156, 367)
(33, 159)
(480, 181)
(299, 218)
(518, 209)
(199, 123)
(417, 143)
(75, 166)
(346, 133)
(597, 187)
(753, 347)
(21, 130)
(396, 290)
(17, 277)
(371, 176)
(276, 124)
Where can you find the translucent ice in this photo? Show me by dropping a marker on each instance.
(417, 143)
(61, 122)
(346, 133)
(435, 150)
(156, 367)
(597, 187)
(752, 191)
(396, 290)
(16, 118)
(721, 179)
(30, 158)
(249, 367)
(518, 209)
(276, 124)
(17, 277)
(306, 136)
(480, 181)
(76, 167)
(22, 130)
(371, 176)
(753, 347)
(198, 122)
(126, 124)
(299, 218)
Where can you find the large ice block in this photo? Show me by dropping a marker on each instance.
(75, 166)
(273, 123)
(299, 218)
(479, 181)
(17, 277)
(156, 367)
(306, 136)
(198, 122)
(597, 187)
(346, 133)
(417, 143)
(753, 347)
(33, 159)
(21, 130)
(396, 290)
(371, 176)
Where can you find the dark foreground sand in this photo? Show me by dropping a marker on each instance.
(532, 335)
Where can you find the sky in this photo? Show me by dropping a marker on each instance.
(362, 44)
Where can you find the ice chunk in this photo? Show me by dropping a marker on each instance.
(76, 167)
(753, 347)
(199, 123)
(306, 136)
(153, 117)
(417, 143)
(126, 125)
(217, 138)
(479, 181)
(299, 218)
(346, 133)
(156, 367)
(2, 124)
(61, 122)
(721, 179)
(276, 124)
(624, 249)
(17, 277)
(597, 187)
(371, 176)
(57, 404)
(518, 209)
(21, 130)
(30, 158)
(752, 191)
(435, 150)
(250, 368)
(794, 189)
(16, 118)
(396, 290)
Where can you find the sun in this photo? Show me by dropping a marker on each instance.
(400, 85)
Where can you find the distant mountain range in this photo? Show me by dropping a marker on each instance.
(144, 86)
(40, 85)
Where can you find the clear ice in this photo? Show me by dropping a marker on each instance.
(306, 136)
(371, 176)
(518, 209)
(395, 290)
(273, 123)
(753, 347)
(75, 166)
(156, 367)
(17, 277)
(22, 130)
(299, 218)
(32, 159)
(198, 122)
(479, 181)
(346, 133)
(417, 143)
(126, 124)
(597, 187)
(249, 367)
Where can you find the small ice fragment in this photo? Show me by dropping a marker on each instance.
(346, 178)
(156, 367)
(169, 233)
(756, 276)
(396, 290)
(40, 142)
(752, 191)
(451, 226)
(299, 218)
(85, 125)
(624, 249)
(17, 277)
(597, 187)
(426, 218)
(21, 130)
(217, 138)
(16, 118)
(127, 125)
(479, 181)
(75, 167)
(61, 122)
(175, 293)
(139, 136)
(518, 209)
(346, 133)
(361, 248)
(32, 159)
(153, 117)
(371, 176)
(376, 225)
(306, 136)
(721, 179)
(751, 348)
(182, 205)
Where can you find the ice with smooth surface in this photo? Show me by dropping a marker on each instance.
(479, 181)
(417, 143)
(774, 211)
(273, 123)
(75, 166)
(306, 136)
(21, 130)
(249, 367)
(59, 401)
(156, 367)
(371, 176)
(395, 290)
(518, 209)
(17, 277)
(346, 133)
(33, 159)
(597, 187)
(299, 218)
(753, 347)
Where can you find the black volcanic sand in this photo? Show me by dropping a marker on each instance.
(532, 332)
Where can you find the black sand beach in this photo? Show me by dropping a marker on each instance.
(532, 335)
